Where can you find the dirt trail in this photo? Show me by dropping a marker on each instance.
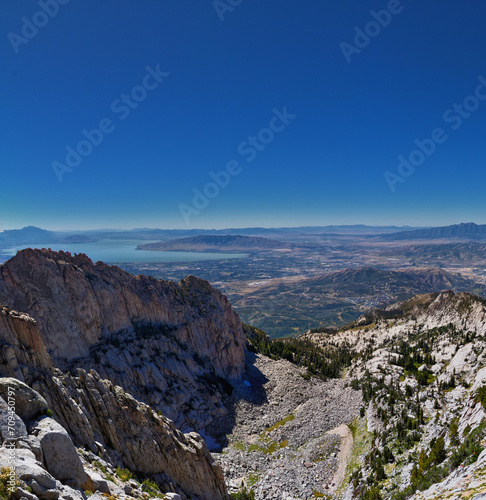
(344, 432)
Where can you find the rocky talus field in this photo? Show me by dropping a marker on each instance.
(286, 441)
(118, 387)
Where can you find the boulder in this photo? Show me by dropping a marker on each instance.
(28, 469)
(49, 495)
(463, 359)
(28, 403)
(68, 493)
(31, 443)
(95, 483)
(11, 426)
(60, 455)
(21, 493)
(115, 490)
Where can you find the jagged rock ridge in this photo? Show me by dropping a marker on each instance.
(77, 303)
(169, 344)
(99, 344)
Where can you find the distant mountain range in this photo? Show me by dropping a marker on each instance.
(32, 235)
(26, 236)
(206, 243)
(464, 231)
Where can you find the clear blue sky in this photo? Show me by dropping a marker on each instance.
(352, 117)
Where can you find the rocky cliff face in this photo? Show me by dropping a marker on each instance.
(43, 455)
(23, 351)
(108, 350)
(77, 303)
(94, 412)
(166, 343)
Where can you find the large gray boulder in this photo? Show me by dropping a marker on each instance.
(11, 426)
(28, 469)
(28, 403)
(60, 456)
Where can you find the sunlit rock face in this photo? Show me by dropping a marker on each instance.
(169, 344)
(120, 358)
(78, 303)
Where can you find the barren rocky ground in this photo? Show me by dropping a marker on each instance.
(280, 445)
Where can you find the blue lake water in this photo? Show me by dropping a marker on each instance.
(118, 251)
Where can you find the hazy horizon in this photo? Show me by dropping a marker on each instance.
(147, 228)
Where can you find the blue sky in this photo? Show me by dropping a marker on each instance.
(328, 119)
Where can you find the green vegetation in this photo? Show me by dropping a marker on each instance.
(101, 467)
(264, 444)
(9, 482)
(243, 494)
(280, 423)
(238, 445)
(268, 446)
(480, 396)
(252, 479)
(469, 451)
(124, 474)
(325, 363)
(454, 432)
(411, 359)
(151, 488)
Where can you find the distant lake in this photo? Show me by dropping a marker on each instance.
(119, 251)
